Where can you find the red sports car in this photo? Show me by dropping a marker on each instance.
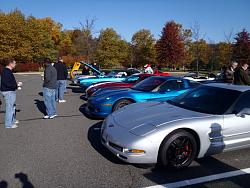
(127, 83)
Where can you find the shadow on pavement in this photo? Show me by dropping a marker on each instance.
(24, 180)
(82, 109)
(41, 106)
(3, 184)
(94, 138)
(205, 166)
(208, 166)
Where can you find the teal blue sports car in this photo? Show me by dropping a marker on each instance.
(155, 88)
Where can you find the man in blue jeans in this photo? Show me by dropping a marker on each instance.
(8, 89)
(49, 90)
(62, 74)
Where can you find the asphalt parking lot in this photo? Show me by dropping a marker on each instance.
(66, 152)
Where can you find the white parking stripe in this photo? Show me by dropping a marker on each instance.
(204, 179)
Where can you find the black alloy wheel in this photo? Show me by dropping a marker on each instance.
(178, 150)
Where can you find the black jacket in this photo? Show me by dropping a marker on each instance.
(50, 76)
(241, 77)
(62, 72)
(8, 81)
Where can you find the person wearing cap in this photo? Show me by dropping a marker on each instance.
(148, 69)
(62, 74)
(241, 76)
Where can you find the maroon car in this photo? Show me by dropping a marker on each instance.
(127, 83)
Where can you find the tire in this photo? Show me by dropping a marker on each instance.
(178, 150)
(121, 103)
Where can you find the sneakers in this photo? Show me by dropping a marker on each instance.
(51, 117)
(17, 121)
(61, 101)
(46, 117)
(12, 127)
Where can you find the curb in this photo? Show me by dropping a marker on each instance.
(25, 73)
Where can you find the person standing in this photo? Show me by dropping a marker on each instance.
(148, 69)
(229, 72)
(49, 89)
(96, 67)
(62, 74)
(241, 76)
(8, 89)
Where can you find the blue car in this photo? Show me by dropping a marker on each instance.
(155, 88)
(113, 76)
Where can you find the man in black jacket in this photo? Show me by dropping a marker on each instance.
(241, 76)
(62, 74)
(8, 89)
(49, 89)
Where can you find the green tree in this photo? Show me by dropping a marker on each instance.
(111, 49)
(202, 56)
(143, 48)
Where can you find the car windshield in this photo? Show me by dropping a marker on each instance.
(131, 79)
(207, 99)
(149, 84)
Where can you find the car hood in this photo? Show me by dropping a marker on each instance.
(154, 114)
(104, 93)
(107, 92)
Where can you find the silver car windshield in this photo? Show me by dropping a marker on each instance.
(207, 99)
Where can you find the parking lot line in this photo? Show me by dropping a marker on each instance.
(204, 179)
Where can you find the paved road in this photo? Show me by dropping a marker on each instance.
(66, 151)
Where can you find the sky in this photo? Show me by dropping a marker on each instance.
(216, 18)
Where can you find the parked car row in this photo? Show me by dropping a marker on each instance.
(170, 120)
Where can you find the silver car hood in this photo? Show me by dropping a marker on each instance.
(154, 114)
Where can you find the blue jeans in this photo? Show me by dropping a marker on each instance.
(49, 101)
(10, 99)
(60, 89)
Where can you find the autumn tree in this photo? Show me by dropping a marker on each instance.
(224, 50)
(28, 39)
(241, 48)
(111, 49)
(143, 48)
(170, 48)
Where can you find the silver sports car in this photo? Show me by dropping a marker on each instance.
(207, 120)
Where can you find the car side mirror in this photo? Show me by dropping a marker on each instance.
(243, 112)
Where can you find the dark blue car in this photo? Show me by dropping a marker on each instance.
(155, 88)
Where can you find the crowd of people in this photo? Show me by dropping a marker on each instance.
(54, 87)
(55, 82)
(236, 74)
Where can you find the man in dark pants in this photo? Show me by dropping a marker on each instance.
(240, 75)
(8, 89)
(49, 89)
(62, 74)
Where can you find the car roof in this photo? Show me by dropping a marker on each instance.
(241, 88)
